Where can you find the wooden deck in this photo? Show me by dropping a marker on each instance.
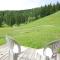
(3, 52)
(28, 54)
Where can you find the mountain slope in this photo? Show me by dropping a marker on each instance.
(36, 34)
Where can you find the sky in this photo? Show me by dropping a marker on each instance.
(23, 4)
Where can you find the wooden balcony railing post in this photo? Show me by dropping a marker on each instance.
(14, 48)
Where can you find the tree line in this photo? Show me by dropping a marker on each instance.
(11, 18)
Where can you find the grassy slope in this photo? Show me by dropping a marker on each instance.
(35, 34)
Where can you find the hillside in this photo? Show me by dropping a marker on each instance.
(35, 34)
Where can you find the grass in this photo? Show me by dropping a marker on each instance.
(35, 34)
(2, 41)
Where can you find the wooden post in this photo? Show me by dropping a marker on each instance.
(11, 55)
(47, 58)
(58, 56)
(14, 48)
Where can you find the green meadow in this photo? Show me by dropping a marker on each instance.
(35, 34)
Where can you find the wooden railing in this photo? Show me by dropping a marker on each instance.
(12, 51)
(14, 48)
(54, 45)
